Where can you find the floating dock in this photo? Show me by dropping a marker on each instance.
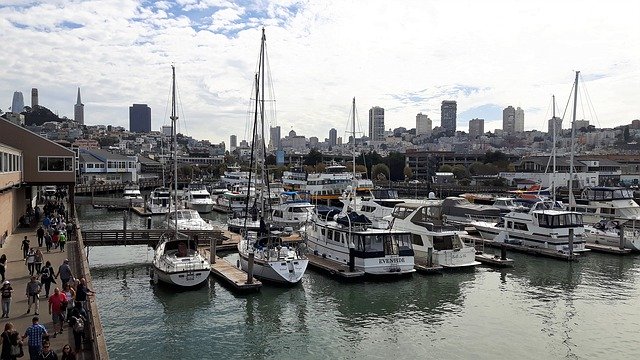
(523, 249)
(234, 277)
(141, 211)
(424, 268)
(221, 209)
(494, 260)
(615, 250)
(334, 269)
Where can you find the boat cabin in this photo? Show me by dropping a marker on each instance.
(558, 219)
(607, 194)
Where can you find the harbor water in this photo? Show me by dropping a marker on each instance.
(540, 309)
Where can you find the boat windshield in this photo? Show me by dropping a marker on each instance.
(384, 244)
(559, 220)
(609, 194)
(187, 215)
(200, 196)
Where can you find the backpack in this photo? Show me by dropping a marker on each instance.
(78, 326)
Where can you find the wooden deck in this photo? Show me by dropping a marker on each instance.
(144, 237)
(524, 249)
(615, 250)
(423, 268)
(331, 267)
(494, 260)
(234, 277)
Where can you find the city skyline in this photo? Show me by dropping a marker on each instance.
(392, 63)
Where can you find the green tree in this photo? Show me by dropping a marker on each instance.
(460, 172)
(476, 168)
(379, 169)
(408, 173)
(397, 163)
(313, 157)
(369, 159)
(445, 168)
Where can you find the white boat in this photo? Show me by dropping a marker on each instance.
(295, 179)
(198, 198)
(545, 226)
(428, 231)
(188, 219)
(234, 176)
(608, 232)
(507, 204)
(459, 211)
(277, 257)
(607, 203)
(176, 259)
(293, 211)
(159, 201)
(132, 191)
(377, 207)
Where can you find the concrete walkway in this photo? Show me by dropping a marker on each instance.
(18, 274)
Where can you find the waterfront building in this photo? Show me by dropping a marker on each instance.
(518, 125)
(17, 103)
(476, 128)
(78, 110)
(333, 137)
(423, 124)
(274, 138)
(448, 116)
(508, 120)
(376, 123)
(97, 165)
(34, 97)
(140, 118)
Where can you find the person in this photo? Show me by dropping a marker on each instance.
(64, 272)
(31, 261)
(182, 249)
(82, 291)
(33, 289)
(5, 292)
(78, 320)
(10, 341)
(47, 277)
(36, 333)
(67, 353)
(3, 266)
(54, 238)
(56, 302)
(47, 240)
(46, 222)
(38, 260)
(47, 352)
(62, 239)
(25, 247)
(40, 235)
(70, 295)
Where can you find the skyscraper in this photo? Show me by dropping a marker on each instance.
(376, 123)
(558, 126)
(233, 142)
(518, 125)
(448, 115)
(17, 104)
(274, 138)
(140, 118)
(78, 110)
(476, 128)
(333, 137)
(34, 97)
(508, 120)
(423, 124)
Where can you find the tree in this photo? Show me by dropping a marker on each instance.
(369, 159)
(313, 157)
(460, 172)
(408, 173)
(379, 169)
(397, 163)
(476, 168)
(445, 168)
(270, 160)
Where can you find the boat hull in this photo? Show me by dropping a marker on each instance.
(284, 271)
(560, 244)
(203, 208)
(184, 279)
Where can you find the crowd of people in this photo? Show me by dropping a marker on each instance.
(67, 302)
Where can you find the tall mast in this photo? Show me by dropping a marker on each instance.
(553, 151)
(353, 131)
(573, 139)
(261, 152)
(174, 118)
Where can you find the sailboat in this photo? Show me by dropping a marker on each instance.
(277, 256)
(176, 260)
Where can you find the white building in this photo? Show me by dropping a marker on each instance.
(423, 124)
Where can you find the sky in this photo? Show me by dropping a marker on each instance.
(405, 56)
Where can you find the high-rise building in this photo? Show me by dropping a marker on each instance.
(579, 124)
(140, 118)
(518, 125)
(376, 123)
(17, 103)
(333, 137)
(233, 142)
(508, 120)
(423, 124)
(476, 128)
(166, 130)
(274, 138)
(448, 116)
(78, 110)
(558, 124)
(34, 97)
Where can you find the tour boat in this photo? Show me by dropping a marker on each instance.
(198, 198)
(294, 179)
(428, 231)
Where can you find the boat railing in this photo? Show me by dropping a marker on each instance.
(483, 218)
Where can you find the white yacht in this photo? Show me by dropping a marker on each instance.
(176, 259)
(197, 197)
(132, 191)
(234, 176)
(295, 179)
(607, 203)
(188, 219)
(607, 232)
(159, 201)
(377, 206)
(293, 211)
(428, 230)
(545, 225)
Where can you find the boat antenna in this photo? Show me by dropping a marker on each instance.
(174, 118)
(573, 140)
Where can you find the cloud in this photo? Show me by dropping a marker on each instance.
(406, 58)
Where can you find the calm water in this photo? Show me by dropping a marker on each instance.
(540, 309)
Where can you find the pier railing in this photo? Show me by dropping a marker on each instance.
(148, 237)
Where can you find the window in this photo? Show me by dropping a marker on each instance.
(52, 163)
(417, 240)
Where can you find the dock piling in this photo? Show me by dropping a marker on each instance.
(148, 223)
(570, 243)
(212, 251)
(621, 238)
(250, 269)
(124, 227)
(352, 259)
(430, 257)
(503, 252)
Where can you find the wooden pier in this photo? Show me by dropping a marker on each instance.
(233, 277)
(524, 249)
(337, 270)
(148, 237)
(615, 250)
(423, 267)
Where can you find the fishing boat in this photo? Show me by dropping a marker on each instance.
(198, 198)
(429, 231)
(176, 259)
(277, 256)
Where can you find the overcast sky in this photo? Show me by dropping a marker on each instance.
(404, 56)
